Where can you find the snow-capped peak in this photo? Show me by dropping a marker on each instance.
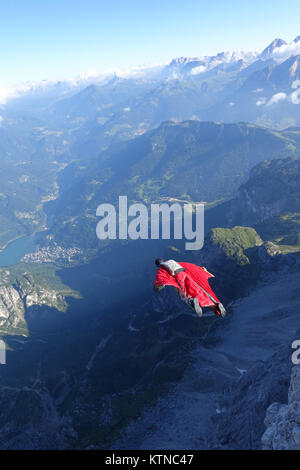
(268, 51)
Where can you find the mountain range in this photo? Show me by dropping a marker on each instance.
(192, 161)
(95, 359)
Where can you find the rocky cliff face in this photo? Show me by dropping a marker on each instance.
(239, 369)
(179, 381)
(30, 419)
(24, 290)
(283, 420)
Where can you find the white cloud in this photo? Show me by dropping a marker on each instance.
(6, 93)
(127, 109)
(90, 74)
(277, 98)
(231, 104)
(258, 90)
(293, 97)
(285, 51)
(79, 81)
(199, 69)
(261, 101)
(136, 71)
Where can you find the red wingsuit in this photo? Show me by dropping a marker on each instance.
(193, 282)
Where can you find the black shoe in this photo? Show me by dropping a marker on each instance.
(196, 306)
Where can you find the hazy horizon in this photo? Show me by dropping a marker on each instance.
(65, 39)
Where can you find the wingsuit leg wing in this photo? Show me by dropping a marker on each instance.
(193, 284)
(207, 297)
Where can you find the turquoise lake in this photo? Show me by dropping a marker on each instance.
(17, 249)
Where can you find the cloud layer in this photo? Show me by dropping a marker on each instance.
(6, 93)
(276, 98)
(287, 50)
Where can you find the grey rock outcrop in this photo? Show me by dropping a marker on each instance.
(30, 418)
(23, 293)
(283, 420)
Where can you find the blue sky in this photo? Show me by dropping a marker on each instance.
(53, 39)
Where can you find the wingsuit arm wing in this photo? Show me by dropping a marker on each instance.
(163, 278)
(210, 274)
